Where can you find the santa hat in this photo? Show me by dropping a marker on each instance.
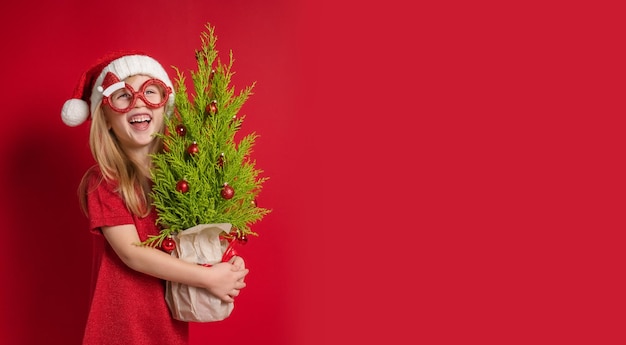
(88, 93)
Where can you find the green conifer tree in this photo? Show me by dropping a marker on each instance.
(205, 174)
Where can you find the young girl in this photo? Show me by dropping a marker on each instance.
(126, 97)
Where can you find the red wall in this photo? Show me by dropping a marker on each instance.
(442, 172)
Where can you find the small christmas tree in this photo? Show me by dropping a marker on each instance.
(204, 174)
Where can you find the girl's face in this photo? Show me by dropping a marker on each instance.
(135, 128)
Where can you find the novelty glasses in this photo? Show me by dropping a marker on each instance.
(154, 93)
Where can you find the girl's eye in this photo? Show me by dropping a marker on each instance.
(123, 95)
(152, 91)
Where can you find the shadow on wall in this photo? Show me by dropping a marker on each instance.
(50, 255)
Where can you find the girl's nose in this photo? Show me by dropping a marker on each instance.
(139, 102)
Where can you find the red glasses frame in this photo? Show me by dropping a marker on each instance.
(141, 94)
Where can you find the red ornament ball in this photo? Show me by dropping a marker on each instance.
(220, 161)
(243, 239)
(212, 107)
(181, 130)
(227, 192)
(182, 186)
(168, 245)
(193, 149)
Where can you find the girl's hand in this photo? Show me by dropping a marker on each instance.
(237, 261)
(226, 280)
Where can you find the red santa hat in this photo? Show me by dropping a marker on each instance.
(88, 93)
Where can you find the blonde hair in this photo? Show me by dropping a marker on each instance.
(132, 184)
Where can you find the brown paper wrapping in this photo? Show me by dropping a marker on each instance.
(201, 245)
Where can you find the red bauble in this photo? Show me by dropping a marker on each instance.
(168, 245)
(182, 186)
(193, 149)
(181, 130)
(220, 161)
(238, 236)
(227, 192)
(211, 108)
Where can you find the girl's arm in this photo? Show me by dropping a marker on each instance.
(223, 280)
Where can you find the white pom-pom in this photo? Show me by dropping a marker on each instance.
(74, 112)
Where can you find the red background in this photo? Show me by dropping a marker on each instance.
(440, 174)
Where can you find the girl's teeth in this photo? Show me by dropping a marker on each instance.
(140, 119)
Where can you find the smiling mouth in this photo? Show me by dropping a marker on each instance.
(139, 119)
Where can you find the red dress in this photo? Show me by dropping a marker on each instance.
(127, 307)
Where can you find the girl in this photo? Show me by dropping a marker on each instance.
(126, 97)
